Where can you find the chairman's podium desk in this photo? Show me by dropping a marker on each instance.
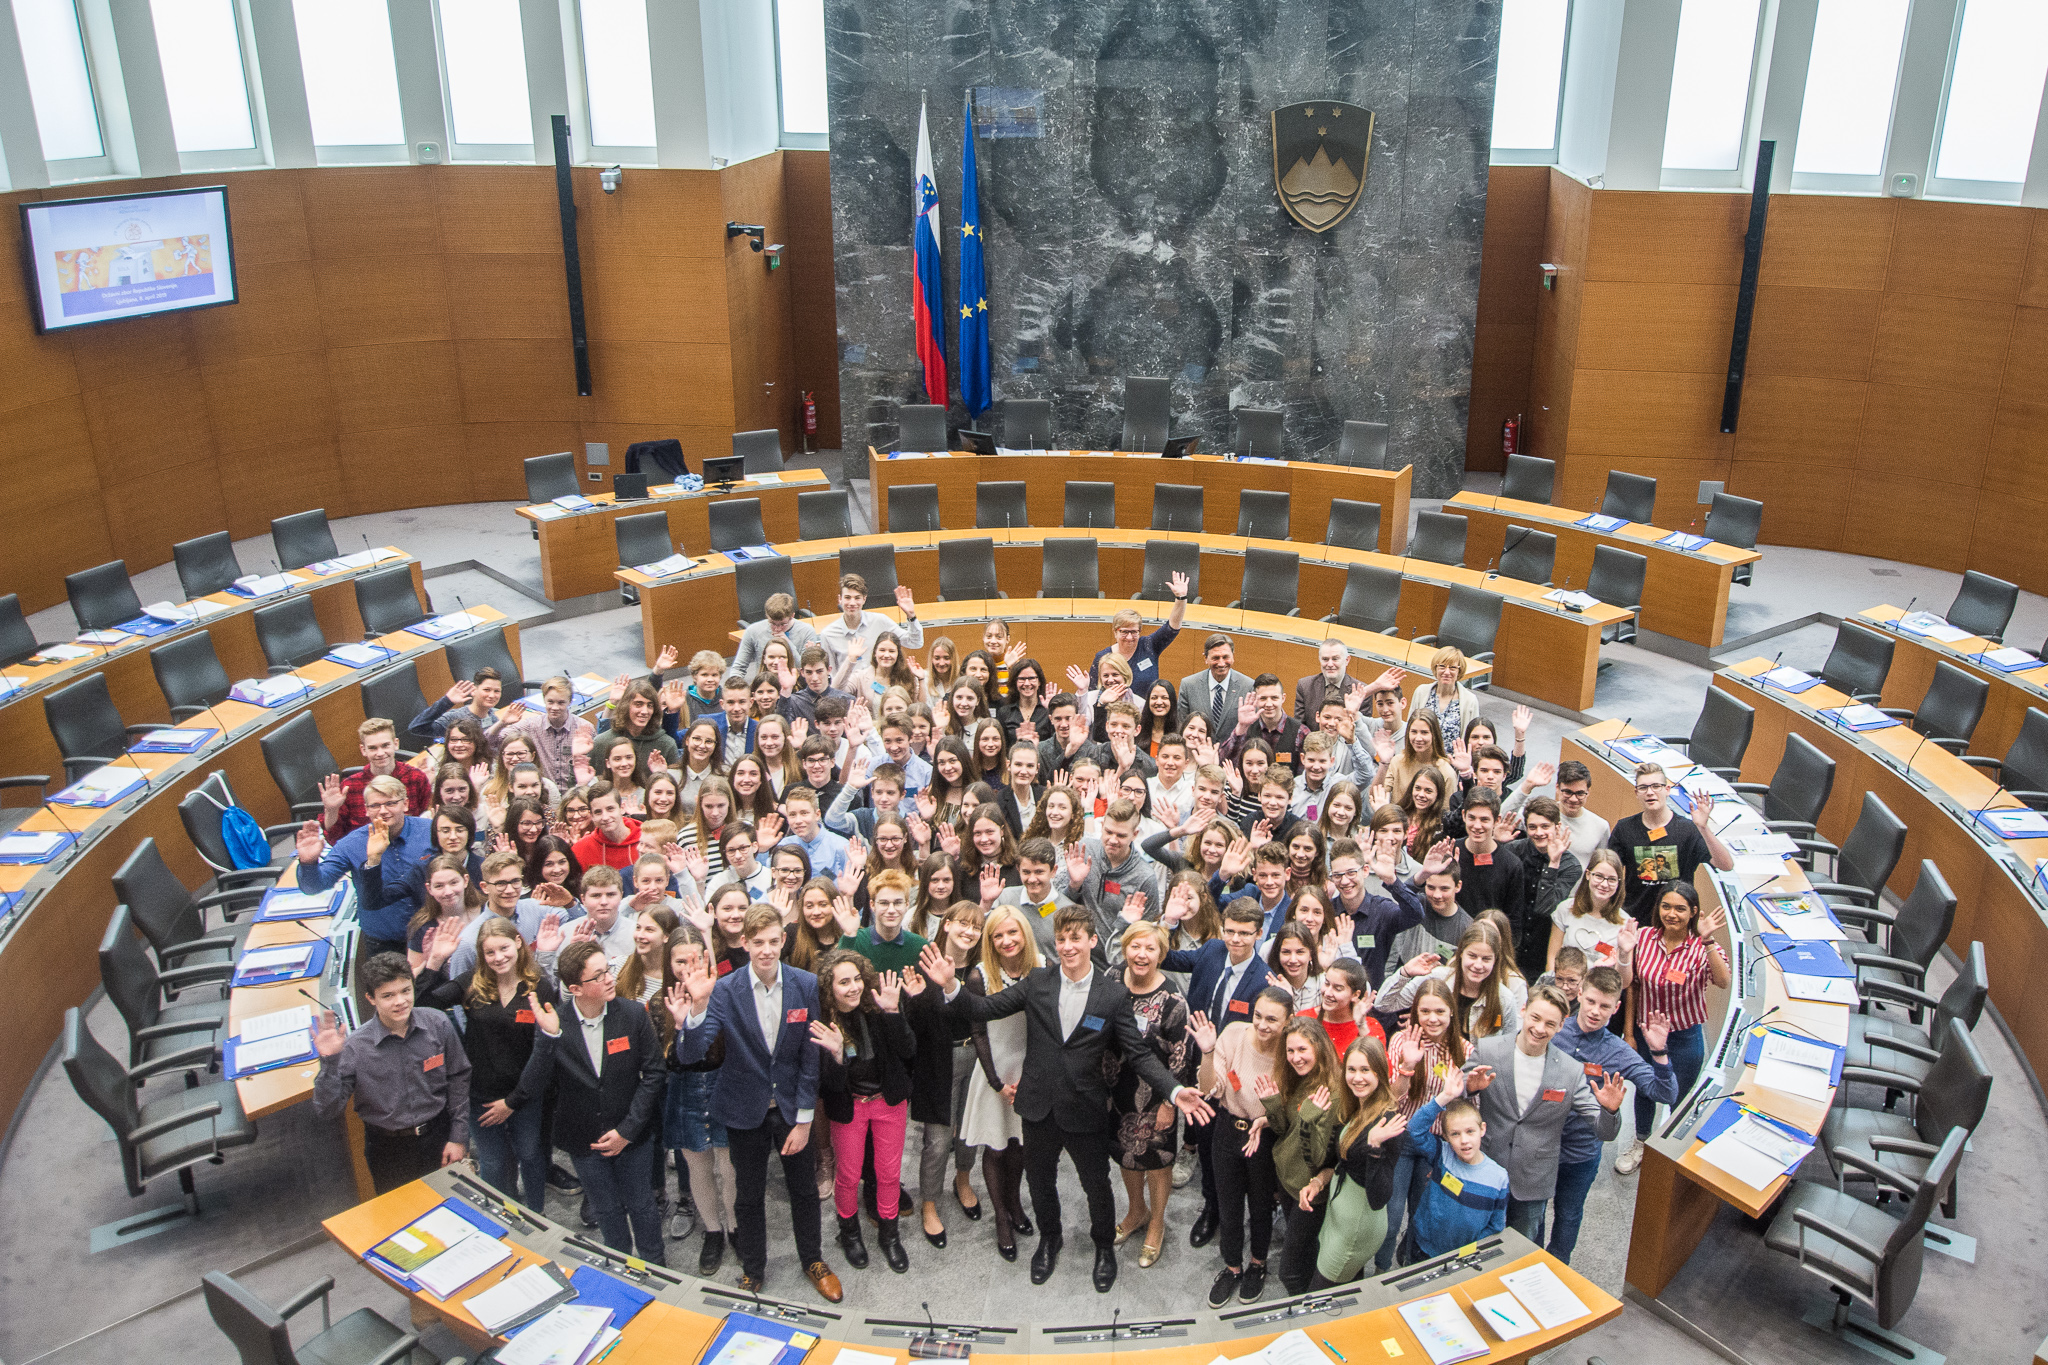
(579, 550)
(26, 745)
(1310, 487)
(1542, 650)
(1913, 661)
(1362, 1322)
(1685, 592)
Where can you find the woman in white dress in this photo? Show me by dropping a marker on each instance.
(989, 1119)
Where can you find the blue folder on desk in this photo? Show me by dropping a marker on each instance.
(2013, 822)
(148, 627)
(796, 1342)
(316, 963)
(747, 552)
(8, 900)
(1754, 1049)
(1679, 540)
(461, 1210)
(1805, 957)
(1597, 522)
(596, 1289)
(1730, 1109)
(234, 1070)
(2025, 665)
(34, 847)
(155, 743)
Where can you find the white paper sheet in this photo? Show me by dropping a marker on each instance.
(275, 959)
(277, 1024)
(64, 653)
(518, 1294)
(1549, 1299)
(359, 656)
(1754, 1153)
(29, 843)
(284, 1048)
(559, 1335)
(460, 1264)
(1505, 1317)
(748, 1348)
(1293, 1348)
(1445, 1332)
(1827, 990)
(1787, 1079)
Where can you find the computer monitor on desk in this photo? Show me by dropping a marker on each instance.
(627, 487)
(980, 442)
(1179, 446)
(723, 471)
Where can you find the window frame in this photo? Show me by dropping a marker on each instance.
(253, 157)
(74, 169)
(586, 148)
(1676, 178)
(479, 153)
(1540, 156)
(783, 136)
(1966, 191)
(357, 153)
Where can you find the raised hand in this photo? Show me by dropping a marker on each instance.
(1124, 751)
(1390, 679)
(549, 937)
(927, 803)
(1385, 865)
(479, 773)
(1542, 775)
(1077, 865)
(937, 966)
(1264, 1086)
(697, 865)
(851, 873)
(1177, 583)
(655, 762)
(441, 944)
(619, 688)
(1442, 854)
(1422, 964)
(1078, 677)
(799, 731)
(1354, 698)
(543, 1014)
(783, 898)
(674, 696)
(1408, 1052)
(580, 744)
(1523, 715)
(308, 843)
(913, 984)
(949, 839)
(1015, 653)
(461, 693)
(1262, 833)
(1631, 934)
(1376, 795)
(1657, 1031)
(1461, 758)
(1387, 1129)
(1320, 1097)
(580, 769)
(653, 898)
(666, 660)
(1237, 859)
(553, 894)
(1134, 907)
(767, 833)
(920, 832)
(857, 768)
(515, 713)
(991, 884)
(501, 842)
(379, 840)
(785, 676)
(1610, 1091)
(1247, 713)
(889, 992)
(845, 916)
(1180, 903)
(905, 601)
(331, 800)
(1477, 1079)
(829, 1037)
(1202, 1031)
(1712, 921)
(1453, 1086)
(327, 1035)
(1192, 1106)
(700, 985)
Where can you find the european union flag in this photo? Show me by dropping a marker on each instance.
(974, 361)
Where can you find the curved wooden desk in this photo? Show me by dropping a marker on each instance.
(1310, 488)
(1685, 592)
(1360, 1320)
(1542, 651)
(579, 550)
(25, 734)
(1913, 661)
(1677, 1194)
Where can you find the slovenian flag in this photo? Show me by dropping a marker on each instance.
(974, 360)
(927, 297)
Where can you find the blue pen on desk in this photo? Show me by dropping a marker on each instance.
(1502, 1316)
(1331, 1349)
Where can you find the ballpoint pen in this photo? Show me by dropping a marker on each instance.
(1331, 1349)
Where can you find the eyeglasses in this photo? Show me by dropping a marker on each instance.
(1345, 874)
(503, 885)
(601, 976)
(1647, 787)
(383, 805)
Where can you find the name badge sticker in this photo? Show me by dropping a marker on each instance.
(1093, 1023)
(617, 1045)
(523, 1017)
(796, 1016)
(1553, 1096)
(1239, 1007)
(434, 1062)
(1453, 1184)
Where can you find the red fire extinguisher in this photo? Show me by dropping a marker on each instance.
(1511, 435)
(807, 415)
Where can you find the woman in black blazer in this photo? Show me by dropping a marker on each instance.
(864, 1086)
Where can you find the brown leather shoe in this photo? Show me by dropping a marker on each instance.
(827, 1283)
(749, 1283)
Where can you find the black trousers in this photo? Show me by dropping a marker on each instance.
(751, 1148)
(1198, 1135)
(1298, 1245)
(1044, 1140)
(398, 1159)
(1242, 1181)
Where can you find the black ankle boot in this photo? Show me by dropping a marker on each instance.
(887, 1237)
(851, 1244)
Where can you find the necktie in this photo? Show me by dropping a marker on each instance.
(1222, 997)
(1216, 709)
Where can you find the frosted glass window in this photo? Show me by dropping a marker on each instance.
(1994, 92)
(351, 80)
(59, 86)
(201, 53)
(1531, 70)
(800, 45)
(1849, 83)
(1710, 84)
(485, 51)
(618, 72)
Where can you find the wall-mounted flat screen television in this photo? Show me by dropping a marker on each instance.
(127, 256)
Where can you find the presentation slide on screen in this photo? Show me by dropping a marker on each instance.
(94, 260)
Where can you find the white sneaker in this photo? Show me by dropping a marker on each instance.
(681, 1224)
(1629, 1158)
(1184, 1167)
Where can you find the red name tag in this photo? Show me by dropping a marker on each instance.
(523, 1017)
(617, 1045)
(1482, 860)
(1592, 1069)
(433, 1062)
(796, 1016)
(1113, 888)
(1553, 1095)
(724, 966)
(1238, 1007)
(1604, 949)
(1658, 832)
(1233, 1081)
(1674, 976)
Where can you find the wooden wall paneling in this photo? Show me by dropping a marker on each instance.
(267, 214)
(500, 211)
(1828, 242)
(757, 300)
(496, 453)
(1624, 415)
(1517, 199)
(505, 296)
(1671, 327)
(657, 383)
(1804, 504)
(384, 300)
(148, 514)
(277, 313)
(1918, 433)
(405, 384)
(355, 212)
(1879, 520)
(1937, 342)
(1652, 237)
(813, 296)
(1799, 421)
(51, 483)
(1815, 333)
(2010, 540)
(518, 381)
(280, 479)
(1968, 251)
(2034, 279)
(385, 469)
(1566, 224)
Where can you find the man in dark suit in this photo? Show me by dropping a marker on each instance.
(610, 1076)
(1329, 680)
(1198, 690)
(1224, 976)
(1074, 1013)
(765, 1089)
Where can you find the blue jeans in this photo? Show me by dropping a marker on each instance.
(621, 1190)
(1688, 1049)
(1526, 1217)
(1568, 1210)
(1409, 1173)
(511, 1156)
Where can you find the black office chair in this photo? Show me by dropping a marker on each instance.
(1950, 1098)
(1864, 1254)
(388, 601)
(1363, 445)
(1263, 515)
(1866, 859)
(1371, 600)
(138, 990)
(1983, 605)
(1091, 506)
(1177, 507)
(393, 692)
(1617, 579)
(290, 633)
(174, 1130)
(1889, 1044)
(1632, 497)
(921, 427)
(967, 570)
(1027, 423)
(1859, 662)
(1797, 792)
(1720, 734)
(263, 1336)
(1163, 559)
(1470, 621)
(762, 450)
(174, 920)
(490, 649)
(1439, 538)
(757, 580)
(2024, 770)
(1070, 569)
(1738, 522)
(1272, 582)
(89, 731)
(1353, 525)
(914, 507)
(1259, 434)
(200, 813)
(643, 539)
(1902, 946)
(206, 565)
(189, 675)
(876, 564)
(1148, 413)
(102, 596)
(823, 515)
(1950, 709)
(17, 641)
(1528, 555)
(1000, 505)
(299, 760)
(549, 477)
(735, 523)
(1529, 479)
(305, 537)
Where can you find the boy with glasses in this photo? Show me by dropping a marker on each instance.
(610, 1075)
(1660, 845)
(394, 845)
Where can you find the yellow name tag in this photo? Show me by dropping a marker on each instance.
(1468, 1248)
(803, 1341)
(1455, 1186)
(1047, 908)
(636, 1264)
(1391, 1346)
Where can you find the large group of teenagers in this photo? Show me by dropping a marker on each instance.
(1330, 956)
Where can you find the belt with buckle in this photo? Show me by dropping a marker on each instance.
(418, 1130)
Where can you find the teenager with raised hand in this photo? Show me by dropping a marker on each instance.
(1009, 953)
(1344, 1007)
(943, 1074)
(1674, 966)
(1595, 920)
(1465, 1195)
(1476, 972)
(1586, 1039)
(697, 1139)
(864, 1082)
(1145, 1148)
(1302, 1117)
(1359, 1185)
(1421, 1055)
(1234, 1057)
(1658, 845)
(451, 904)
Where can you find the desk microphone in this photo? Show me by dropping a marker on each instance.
(275, 569)
(374, 556)
(1563, 593)
(1915, 754)
(1489, 570)
(52, 809)
(1900, 624)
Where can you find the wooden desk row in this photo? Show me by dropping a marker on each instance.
(1310, 487)
(131, 682)
(1913, 661)
(1542, 651)
(1678, 1193)
(1361, 1321)
(579, 550)
(1685, 592)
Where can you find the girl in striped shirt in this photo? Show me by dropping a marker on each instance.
(1672, 969)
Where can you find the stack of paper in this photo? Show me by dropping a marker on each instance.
(286, 903)
(662, 568)
(100, 787)
(58, 654)
(1679, 540)
(284, 958)
(442, 1251)
(2009, 660)
(1801, 918)
(1505, 1316)
(547, 511)
(172, 612)
(1597, 522)
(1756, 1150)
(1796, 1066)
(269, 691)
(1445, 1332)
(505, 1303)
(1861, 716)
(262, 585)
(1933, 627)
(182, 741)
(1823, 990)
(2014, 822)
(268, 1040)
(360, 656)
(574, 502)
(563, 1336)
(1788, 679)
(31, 846)
(1571, 598)
(101, 637)
(1549, 1300)
(747, 552)
(441, 627)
